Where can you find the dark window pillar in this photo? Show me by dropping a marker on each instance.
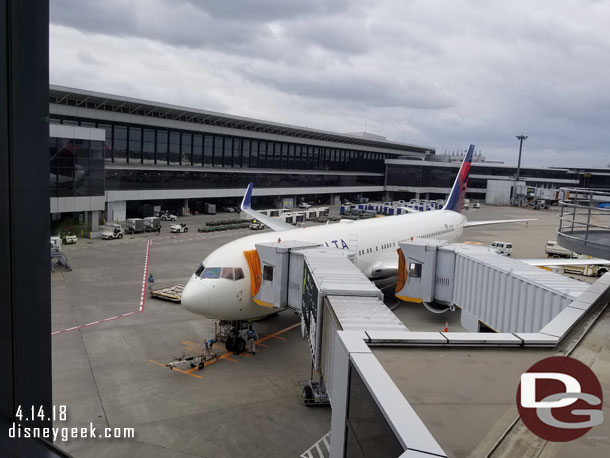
(25, 308)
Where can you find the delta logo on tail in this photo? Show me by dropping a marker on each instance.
(456, 197)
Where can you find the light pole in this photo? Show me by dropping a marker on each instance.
(520, 138)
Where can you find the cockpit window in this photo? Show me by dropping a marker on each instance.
(227, 272)
(211, 272)
(199, 270)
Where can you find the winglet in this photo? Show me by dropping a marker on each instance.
(247, 200)
(458, 191)
(268, 221)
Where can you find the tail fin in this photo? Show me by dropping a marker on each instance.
(456, 196)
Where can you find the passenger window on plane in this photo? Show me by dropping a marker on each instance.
(268, 273)
(414, 270)
(239, 273)
(211, 272)
(227, 272)
(199, 270)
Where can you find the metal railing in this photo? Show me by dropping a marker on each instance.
(584, 222)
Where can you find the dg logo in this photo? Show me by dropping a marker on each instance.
(560, 399)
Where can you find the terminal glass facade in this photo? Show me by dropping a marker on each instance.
(135, 144)
(132, 179)
(76, 167)
(431, 174)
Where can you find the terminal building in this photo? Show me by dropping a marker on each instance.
(115, 157)
(178, 157)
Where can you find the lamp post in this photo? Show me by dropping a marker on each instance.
(520, 138)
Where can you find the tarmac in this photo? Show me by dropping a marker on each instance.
(109, 350)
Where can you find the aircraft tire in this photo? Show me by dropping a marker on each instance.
(240, 345)
(229, 344)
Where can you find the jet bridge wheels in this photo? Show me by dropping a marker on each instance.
(307, 394)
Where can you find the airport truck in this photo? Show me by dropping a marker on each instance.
(588, 270)
(553, 250)
(152, 223)
(504, 248)
(134, 225)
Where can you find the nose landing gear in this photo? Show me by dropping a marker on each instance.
(232, 333)
(236, 344)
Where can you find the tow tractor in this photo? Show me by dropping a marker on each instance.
(114, 231)
(256, 226)
(180, 227)
(67, 238)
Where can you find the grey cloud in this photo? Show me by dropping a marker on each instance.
(351, 37)
(270, 10)
(358, 89)
(441, 73)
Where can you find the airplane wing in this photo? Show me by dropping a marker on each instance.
(564, 262)
(498, 221)
(268, 221)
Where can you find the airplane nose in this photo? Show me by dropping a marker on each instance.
(196, 296)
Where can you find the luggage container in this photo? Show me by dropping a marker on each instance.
(209, 209)
(134, 225)
(152, 223)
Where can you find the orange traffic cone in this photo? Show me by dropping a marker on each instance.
(446, 326)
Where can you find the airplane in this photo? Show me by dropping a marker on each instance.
(220, 288)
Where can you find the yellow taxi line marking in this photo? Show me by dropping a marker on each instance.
(279, 338)
(262, 345)
(270, 336)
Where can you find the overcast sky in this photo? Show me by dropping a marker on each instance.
(440, 73)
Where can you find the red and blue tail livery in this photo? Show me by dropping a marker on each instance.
(456, 197)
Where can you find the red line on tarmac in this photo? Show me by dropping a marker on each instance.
(123, 315)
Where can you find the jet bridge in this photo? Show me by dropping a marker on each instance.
(328, 290)
(501, 293)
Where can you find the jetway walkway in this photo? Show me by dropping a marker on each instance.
(494, 292)
(345, 322)
(328, 290)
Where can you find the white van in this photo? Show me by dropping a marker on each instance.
(505, 248)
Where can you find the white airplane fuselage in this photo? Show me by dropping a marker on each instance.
(374, 240)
